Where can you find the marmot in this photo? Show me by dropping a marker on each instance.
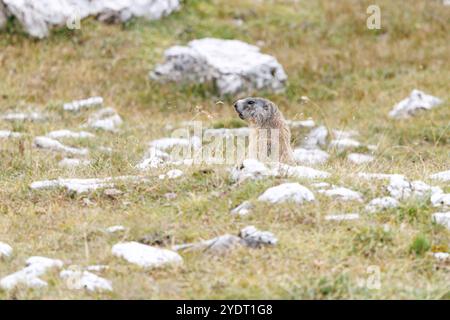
(264, 115)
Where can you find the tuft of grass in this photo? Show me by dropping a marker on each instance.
(420, 245)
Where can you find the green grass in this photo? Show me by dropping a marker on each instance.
(352, 77)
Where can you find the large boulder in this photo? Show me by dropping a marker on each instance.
(37, 17)
(232, 65)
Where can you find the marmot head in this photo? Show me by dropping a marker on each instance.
(256, 110)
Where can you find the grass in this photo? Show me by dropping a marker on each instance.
(352, 77)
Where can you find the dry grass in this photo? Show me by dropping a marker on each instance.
(353, 77)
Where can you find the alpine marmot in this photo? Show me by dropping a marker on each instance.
(264, 116)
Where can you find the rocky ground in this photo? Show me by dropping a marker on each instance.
(93, 205)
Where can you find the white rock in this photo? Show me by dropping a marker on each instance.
(114, 229)
(380, 204)
(72, 163)
(54, 145)
(232, 65)
(77, 105)
(37, 17)
(29, 276)
(151, 162)
(218, 246)
(342, 217)
(416, 102)
(145, 256)
(341, 193)
(442, 256)
(440, 200)
(21, 116)
(321, 185)
(4, 134)
(174, 173)
(442, 176)
(400, 188)
(58, 134)
(301, 172)
(105, 119)
(254, 238)
(243, 209)
(78, 280)
(310, 156)
(251, 169)
(5, 250)
(84, 185)
(379, 176)
(287, 192)
(359, 158)
(316, 138)
(442, 218)
(344, 144)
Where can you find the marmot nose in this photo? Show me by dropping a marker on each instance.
(235, 105)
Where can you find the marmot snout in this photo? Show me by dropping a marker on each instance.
(261, 113)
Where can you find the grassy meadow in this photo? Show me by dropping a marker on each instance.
(352, 77)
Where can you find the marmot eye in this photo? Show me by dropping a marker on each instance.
(251, 102)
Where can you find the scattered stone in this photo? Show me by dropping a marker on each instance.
(105, 119)
(442, 256)
(145, 256)
(254, 238)
(174, 173)
(5, 134)
(342, 217)
(54, 145)
(77, 105)
(440, 200)
(58, 134)
(301, 172)
(287, 192)
(232, 65)
(442, 176)
(78, 280)
(341, 193)
(380, 204)
(359, 158)
(73, 163)
(243, 209)
(20, 116)
(400, 188)
(417, 101)
(5, 250)
(344, 144)
(216, 246)
(38, 17)
(310, 156)
(321, 185)
(316, 139)
(84, 185)
(115, 229)
(250, 169)
(442, 218)
(379, 176)
(29, 276)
